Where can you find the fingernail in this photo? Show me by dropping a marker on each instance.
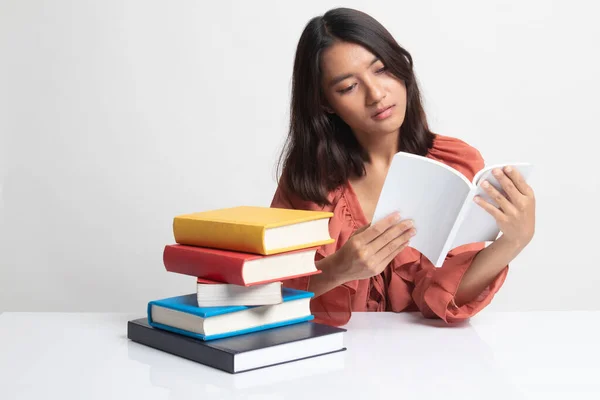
(409, 224)
(476, 199)
(397, 217)
(497, 172)
(508, 169)
(485, 184)
(413, 232)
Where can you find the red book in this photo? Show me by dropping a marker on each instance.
(239, 268)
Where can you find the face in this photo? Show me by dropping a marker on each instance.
(360, 90)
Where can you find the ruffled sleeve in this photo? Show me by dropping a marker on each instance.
(334, 306)
(435, 288)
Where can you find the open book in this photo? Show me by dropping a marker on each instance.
(439, 199)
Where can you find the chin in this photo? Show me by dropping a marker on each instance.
(388, 127)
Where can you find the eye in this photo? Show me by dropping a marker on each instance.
(346, 90)
(381, 70)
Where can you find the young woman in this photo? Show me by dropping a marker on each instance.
(355, 103)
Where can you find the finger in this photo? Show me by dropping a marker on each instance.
(500, 199)
(378, 228)
(507, 185)
(518, 180)
(490, 208)
(393, 255)
(390, 235)
(388, 252)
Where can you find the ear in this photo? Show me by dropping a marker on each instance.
(325, 105)
(328, 109)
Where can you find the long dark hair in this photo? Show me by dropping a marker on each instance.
(321, 152)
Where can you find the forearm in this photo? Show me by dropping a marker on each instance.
(327, 279)
(486, 266)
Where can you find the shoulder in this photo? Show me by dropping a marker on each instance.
(457, 154)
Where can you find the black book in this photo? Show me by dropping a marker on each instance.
(244, 352)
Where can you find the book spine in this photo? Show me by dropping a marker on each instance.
(185, 261)
(180, 346)
(220, 235)
(448, 245)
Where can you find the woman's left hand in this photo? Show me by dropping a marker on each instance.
(516, 213)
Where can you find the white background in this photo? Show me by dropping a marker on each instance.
(117, 115)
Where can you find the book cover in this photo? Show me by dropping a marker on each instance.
(244, 229)
(265, 348)
(187, 304)
(229, 266)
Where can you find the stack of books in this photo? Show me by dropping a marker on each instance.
(241, 317)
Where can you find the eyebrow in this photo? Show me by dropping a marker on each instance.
(340, 78)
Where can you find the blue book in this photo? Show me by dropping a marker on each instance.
(182, 315)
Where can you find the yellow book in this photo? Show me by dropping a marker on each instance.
(251, 229)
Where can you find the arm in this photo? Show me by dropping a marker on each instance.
(436, 288)
(356, 255)
(471, 275)
(326, 280)
(515, 216)
(486, 266)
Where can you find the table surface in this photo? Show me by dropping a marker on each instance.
(493, 356)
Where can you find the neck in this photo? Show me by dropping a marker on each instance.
(381, 149)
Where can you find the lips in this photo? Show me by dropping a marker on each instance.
(380, 110)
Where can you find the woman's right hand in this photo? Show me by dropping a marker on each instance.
(371, 248)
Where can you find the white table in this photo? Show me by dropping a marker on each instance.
(531, 355)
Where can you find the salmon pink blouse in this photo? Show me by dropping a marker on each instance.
(410, 282)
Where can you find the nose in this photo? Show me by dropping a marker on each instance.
(375, 93)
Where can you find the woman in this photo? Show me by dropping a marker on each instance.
(355, 103)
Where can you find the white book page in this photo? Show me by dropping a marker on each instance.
(476, 224)
(428, 192)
